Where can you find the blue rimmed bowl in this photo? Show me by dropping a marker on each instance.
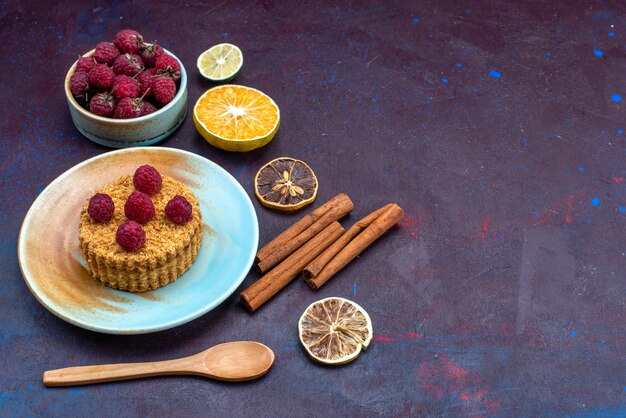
(122, 133)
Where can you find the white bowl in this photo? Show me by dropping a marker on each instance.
(122, 133)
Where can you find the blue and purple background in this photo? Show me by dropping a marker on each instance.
(497, 126)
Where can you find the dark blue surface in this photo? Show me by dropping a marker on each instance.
(497, 126)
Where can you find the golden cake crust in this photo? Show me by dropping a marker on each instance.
(168, 252)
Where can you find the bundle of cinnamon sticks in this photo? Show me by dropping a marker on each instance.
(317, 246)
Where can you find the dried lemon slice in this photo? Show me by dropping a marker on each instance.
(221, 62)
(285, 184)
(236, 118)
(333, 330)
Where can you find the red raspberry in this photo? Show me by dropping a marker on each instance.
(148, 108)
(128, 64)
(128, 41)
(168, 65)
(150, 53)
(139, 207)
(178, 210)
(145, 81)
(85, 64)
(101, 76)
(163, 89)
(126, 109)
(130, 236)
(79, 83)
(147, 179)
(100, 207)
(125, 86)
(106, 53)
(102, 104)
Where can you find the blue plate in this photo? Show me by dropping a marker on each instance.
(52, 264)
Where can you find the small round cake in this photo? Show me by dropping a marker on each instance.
(169, 248)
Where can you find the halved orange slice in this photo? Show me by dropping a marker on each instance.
(334, 330)
(236, 118)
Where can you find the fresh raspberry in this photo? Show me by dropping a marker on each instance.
(139, 207)
(168, 65)
(163, 89)
(150, 53)
(101, 76)
(130, 236)
(79, 83)
(145, 81)
(106, 53)
(148, 108)
(102, 104)
(125, 86)
(100, 207)
(128, 64)
(128, 108)
(147, 180)
(178, 210)
(85, 64)
(128, 41)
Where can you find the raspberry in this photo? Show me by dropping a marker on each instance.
(79, 83)
(130, 236)
(148, 108)
(124, 109)
(145, 81)
(106, 53)
(102, 104)
(163, 89)
(85, 64)
(101, 76)
(128, 64)
(128, 41)
(100, 207)
(178, 210)
(147, 179)
(139, 207)
(125, 86)
(128, 108)
(168, 65)
(150, 53)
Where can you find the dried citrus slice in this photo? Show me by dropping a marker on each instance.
(334, 330)
(221, 62)
(236, 118)
(285, 184)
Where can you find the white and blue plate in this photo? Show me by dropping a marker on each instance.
(53, 267)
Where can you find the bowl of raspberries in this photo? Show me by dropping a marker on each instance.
(127, 92)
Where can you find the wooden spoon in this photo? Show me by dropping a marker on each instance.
(235, 362)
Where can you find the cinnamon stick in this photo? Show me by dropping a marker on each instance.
(302, 231)
(268, 285)
(324, 258)
(388, 218)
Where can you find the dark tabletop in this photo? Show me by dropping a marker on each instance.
(496, 126)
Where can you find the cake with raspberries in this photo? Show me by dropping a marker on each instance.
(141, 231)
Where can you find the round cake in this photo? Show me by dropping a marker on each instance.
(169, 248)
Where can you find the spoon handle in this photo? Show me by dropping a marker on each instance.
(84, 375)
